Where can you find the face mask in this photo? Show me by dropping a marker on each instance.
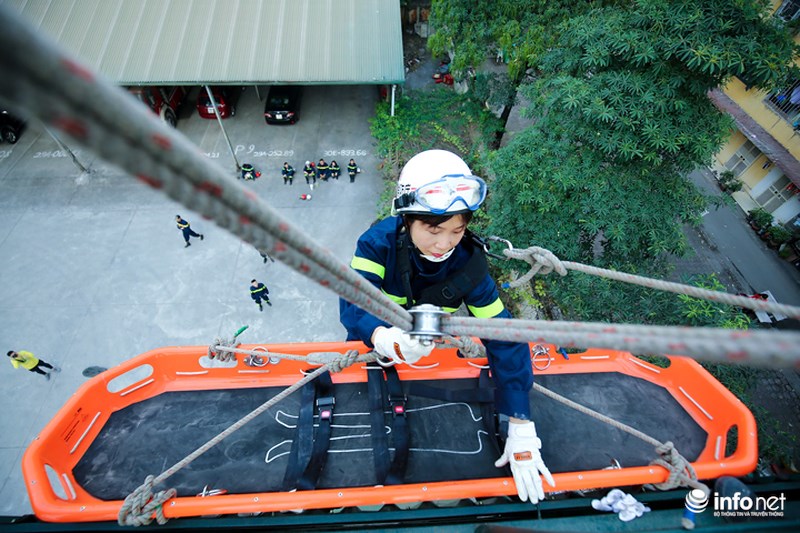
(434, 259)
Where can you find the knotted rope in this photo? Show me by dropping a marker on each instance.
(681, 471)
(468, 347)
(139, 507)
(215, 351)
(55, 88)
(544, 261)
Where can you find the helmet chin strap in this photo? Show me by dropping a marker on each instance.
(434, 259)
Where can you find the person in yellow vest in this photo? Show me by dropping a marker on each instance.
(30, 362)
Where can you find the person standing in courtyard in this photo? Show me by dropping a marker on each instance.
(32, 363)
(352, 170)
(187, 230)
(288, 173)
(258, 292)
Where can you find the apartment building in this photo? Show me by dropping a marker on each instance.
(764, 150)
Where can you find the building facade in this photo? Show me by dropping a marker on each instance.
(763, 152)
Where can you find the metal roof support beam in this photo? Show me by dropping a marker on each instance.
(224, 133)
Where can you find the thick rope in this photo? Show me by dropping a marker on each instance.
(753, 347)
(215, 350)
(681, 472)
(336, 361)
(139, 507)
(133, 502)
(54, 88)
(468, 347)
(544, 261)
(37, 77)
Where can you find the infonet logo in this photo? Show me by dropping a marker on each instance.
(696, 501)
(738, 505)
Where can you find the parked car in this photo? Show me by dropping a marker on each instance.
(226, 98)
(283, 104)
(10, 127)
(163, 101)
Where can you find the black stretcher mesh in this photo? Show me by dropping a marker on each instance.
(448, 441)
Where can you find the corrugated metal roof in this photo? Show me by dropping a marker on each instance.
(193, 42)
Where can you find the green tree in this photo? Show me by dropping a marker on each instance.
(634, 82)
(521, 31)
(619, 115)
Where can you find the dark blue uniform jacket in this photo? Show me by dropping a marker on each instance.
(376, 260)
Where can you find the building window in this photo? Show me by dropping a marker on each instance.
(776, 194)
(786, 102)
(789, 10)
(743, 158)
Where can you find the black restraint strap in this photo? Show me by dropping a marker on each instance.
(400, 433)
(380, 444)
(477, 395)
(322, 437)
(488, 413)
(403, 254)
(300, 453)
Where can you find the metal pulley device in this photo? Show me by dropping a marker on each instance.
(427, 323)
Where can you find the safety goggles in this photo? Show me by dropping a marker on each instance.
(441, 195)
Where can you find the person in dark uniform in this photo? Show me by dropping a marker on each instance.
(352, 170)
(310, 173)
(413, 258)
(288, 173)
(322, 168)
(249, 172)
(187, 230)
(258, 292)
(335, 169)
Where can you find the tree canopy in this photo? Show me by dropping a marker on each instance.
(618, 115)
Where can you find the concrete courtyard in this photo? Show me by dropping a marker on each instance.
(94, 270)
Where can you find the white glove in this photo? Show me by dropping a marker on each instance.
(522, 451)
(397, 345)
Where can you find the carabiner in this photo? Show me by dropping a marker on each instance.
(495, 238)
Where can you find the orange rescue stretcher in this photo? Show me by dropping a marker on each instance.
(144, 415)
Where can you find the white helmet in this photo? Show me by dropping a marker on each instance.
(437, 182)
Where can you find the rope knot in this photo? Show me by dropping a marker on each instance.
(541, 260)
(140, 505)
(221, 355)
(336, 362)
(681, 472)
(468, 347)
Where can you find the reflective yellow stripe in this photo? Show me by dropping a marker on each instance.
(365, 265)
(450, 309)
(400, 300)
(487, 311)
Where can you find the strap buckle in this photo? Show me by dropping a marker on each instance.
(398, 405)
(325, 406)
